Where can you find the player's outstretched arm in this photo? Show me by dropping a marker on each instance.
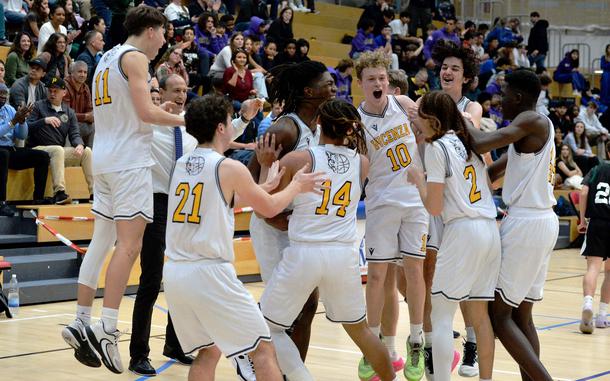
(135, 67)
(521, 127)
(235, 180)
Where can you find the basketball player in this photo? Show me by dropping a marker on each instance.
(302, 87)
(457, 190)
(322, 252)
(529, 232)
(123, 195)
(458, 68)
(595, 221)
(396, 221)
(212, 310)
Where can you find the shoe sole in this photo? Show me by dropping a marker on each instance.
(472, 372)
(586, 322)
(97, 349)
(142, 374)
(63, 202)
(87, 358)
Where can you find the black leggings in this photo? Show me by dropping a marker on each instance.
(23, 158)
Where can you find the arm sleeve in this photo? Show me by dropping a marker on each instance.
(5, 127)
(436, 163)
(16, 96)
(428, 45)
(11, 68)
(36, 119)
(21, 131)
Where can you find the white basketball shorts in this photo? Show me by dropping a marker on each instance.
(123, 195)
(269, 244)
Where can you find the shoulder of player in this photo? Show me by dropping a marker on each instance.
(474, 107)
(285, 130)
(529, 119)
(132, 61)
(295, 160)
(404, 100)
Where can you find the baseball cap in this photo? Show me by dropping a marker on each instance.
(38, 62)
(56, 82)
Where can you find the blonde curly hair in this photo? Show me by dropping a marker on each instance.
(371, 60)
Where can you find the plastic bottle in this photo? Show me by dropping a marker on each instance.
(13, 295)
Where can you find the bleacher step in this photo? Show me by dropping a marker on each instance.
(44, 266)
(563, 240)
(9, 239)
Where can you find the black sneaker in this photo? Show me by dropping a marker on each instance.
(90, 199)
(6, 210)
(142, 367)
(178, 355)
(428, 363)
(469, 366)
(43, 201)
(61, 198)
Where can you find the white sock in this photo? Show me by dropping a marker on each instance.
(471, 337)
(416, 333)
(376, 330)
(603, 309)
(109, 318)
(587, 303)
(428, 339)
(390, 344)
(83, 313)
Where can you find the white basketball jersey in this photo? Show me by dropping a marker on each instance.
(330, 217)
(123, 141)
(462, 104)
(200, 222)
(466, 192)
(306, 137)
(391, 149)
(529, 177)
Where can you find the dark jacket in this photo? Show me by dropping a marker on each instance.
(19, 92)
(42, 134)
(538, 38)
(280, 32)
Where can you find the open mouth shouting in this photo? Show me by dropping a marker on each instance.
(377, 94)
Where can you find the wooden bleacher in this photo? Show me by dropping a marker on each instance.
(21, 184)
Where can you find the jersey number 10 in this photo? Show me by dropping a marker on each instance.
(105, 98)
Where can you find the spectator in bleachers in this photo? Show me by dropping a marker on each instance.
(269, 53)
(303, 49)
(448, 32)
(238, 81)
(71, 24)
(38, 15)
(57, 16)
(477, 46)
(54, 54)
(412, 58)
(29, 89)
(155, 96)
(484, 100)
(560, 118)
(567, 72)
(252, 46)
(229, 23)
(342, 74)
(223, 59)
(256, 28)
(173, 63)
(544, 99)
(418, 84)
(17, 60)
(280, 29)
(2, 72)
(276, 110)
(473, 91)
(469, 26)
(384, 43)
(503, 33)
(596, 133)
(157, 4)
(289, 55)
(398, 82)
(537, 42)
(50, 123)
(14, 12)
(78, 97)
(604, 96)
(177, 14)
(364, 40)
(196, 59)
(170, 40)
(251, 8)
(97, 23)
(13, 127)
(102, 9)
(520, 56)
(197, 7)
(207, 37)
(374, 12)
(569, 173)
(496, 82)
(421, 16)
(400, 26)
(94, 46)
(577, 140)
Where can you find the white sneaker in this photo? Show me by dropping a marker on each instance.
(244, 368)
(601, 322)
(105, 346)
(75, 336)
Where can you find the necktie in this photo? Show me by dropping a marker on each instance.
(178, 142)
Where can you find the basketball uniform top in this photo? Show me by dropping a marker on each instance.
(391, 148)
(306, 138)
(330, 217)
(123, 141)
(200, 222)
(598, 200)
(529, 177)
(466, 192)
(462, 104)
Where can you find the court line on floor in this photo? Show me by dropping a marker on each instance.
(160, 369)
(549, 327)
(155, 305)
(566, 277)
(594, 376)
(31, 318)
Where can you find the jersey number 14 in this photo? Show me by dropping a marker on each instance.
(341, 198)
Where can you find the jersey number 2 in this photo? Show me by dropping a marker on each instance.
(471, 175)
(603, 191)
(105, 98)
(340, 198)
(183, 190)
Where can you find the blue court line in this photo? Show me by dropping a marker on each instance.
(159, 370)
(549, 327)
(594, 376)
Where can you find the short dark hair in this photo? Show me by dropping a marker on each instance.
(525, 81)
(366, 23)
(188, 28)
(388, 13)
(204, 114)
(90, 35)
(468, 24)
(138, 19)
(227, 17)
(53, 8)
(484, 97)
(405, 14)
(545, 79)
(534, 14)
(451, 18)
(445, 48)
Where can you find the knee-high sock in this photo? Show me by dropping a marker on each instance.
(442, 336)
(104, 237)
(288, 356)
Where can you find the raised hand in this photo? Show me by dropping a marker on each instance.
(309, 182)
(266, 151)
(415, 175)
(274, 176)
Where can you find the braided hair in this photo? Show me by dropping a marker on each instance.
(340, 120)
(290, 80)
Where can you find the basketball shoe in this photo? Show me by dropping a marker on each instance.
(74, 334)
(105, 346)
(601, 321)
(414, 366)
(366, 371)
(470, 364)
(244, 367)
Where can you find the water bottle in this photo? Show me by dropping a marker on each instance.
(13, 295)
